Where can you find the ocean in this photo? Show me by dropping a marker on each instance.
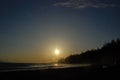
(7, 67)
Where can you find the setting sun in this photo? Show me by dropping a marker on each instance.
(57, 52)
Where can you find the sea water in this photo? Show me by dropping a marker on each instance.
(7, 67)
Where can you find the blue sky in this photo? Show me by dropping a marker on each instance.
(30, 30)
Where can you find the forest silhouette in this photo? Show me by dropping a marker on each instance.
(108, 54)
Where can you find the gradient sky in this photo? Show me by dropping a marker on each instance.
(30, 30)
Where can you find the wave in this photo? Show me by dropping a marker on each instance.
(22, 67)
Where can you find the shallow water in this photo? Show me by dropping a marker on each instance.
(7, 67)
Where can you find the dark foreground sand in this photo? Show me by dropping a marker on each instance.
(78, 73)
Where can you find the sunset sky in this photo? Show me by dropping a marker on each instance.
(31, 30)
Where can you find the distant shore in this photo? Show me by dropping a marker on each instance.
(74, 73)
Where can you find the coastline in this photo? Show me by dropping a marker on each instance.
(74, 73)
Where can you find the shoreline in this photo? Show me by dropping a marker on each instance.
(74, 73)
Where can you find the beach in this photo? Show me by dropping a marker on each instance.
(73, 73)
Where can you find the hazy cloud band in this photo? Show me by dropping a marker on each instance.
(86, 3)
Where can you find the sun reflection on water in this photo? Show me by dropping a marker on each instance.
(56, 64)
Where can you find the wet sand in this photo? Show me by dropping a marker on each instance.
(76, 73)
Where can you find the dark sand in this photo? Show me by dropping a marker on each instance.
(78, 73)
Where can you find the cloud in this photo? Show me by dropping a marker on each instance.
(86, 3)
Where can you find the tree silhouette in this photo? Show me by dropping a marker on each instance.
(108, 54)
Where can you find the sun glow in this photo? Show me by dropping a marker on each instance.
(57, 52)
